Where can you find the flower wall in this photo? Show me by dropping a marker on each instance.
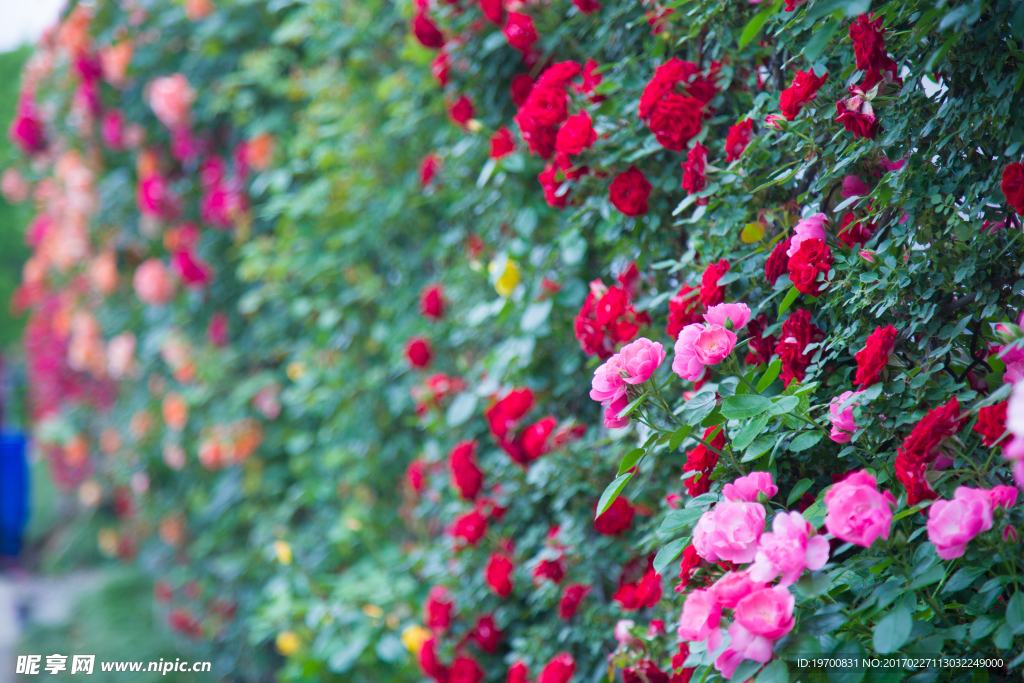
(540, 341)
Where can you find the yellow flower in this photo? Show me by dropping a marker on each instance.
(283, 552)
(288, 643)
(413, 638)
(295, 370)
(506, 281)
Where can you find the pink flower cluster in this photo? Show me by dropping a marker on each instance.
(953, 523)
(633, 364)
(700, 345)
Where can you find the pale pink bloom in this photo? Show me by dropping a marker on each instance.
(685, 363)
(892, 165)
(1003, 496)
(622, 630)
(13, 186)
(854, 187)
(761, 618)
(746, 488)
(266, 401)
(733, 587)
(774, 121)
(638, 360)
(171, 99)
(612, 410)
(701, 614)
(811, 228)
(153, 283)
(738, 314)
(121, 355)
(1014, 449)
(843, 425)
(729, 531)
(858, 512)
(608, 384)
(867, 255)
(789, 548)
(1011, 354)
(952, 523)
(1014, 372)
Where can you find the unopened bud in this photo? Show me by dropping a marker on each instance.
(867, 255)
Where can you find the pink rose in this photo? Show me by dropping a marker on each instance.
(746, 488)
(153, 284)
(171, 99)
(639, 359)
(193, 272)
(857, 511)
(737, 314)
(121, 355)
(608, 384)
(1014, 372)
(761, 618)
(623, 628)
(701, 614)
(729, 531)
(612, 410)
(789, 548)
(699, 345)
(843, 425)
(1014, 450)
(1003, 496)
(812, 228)
(733, 587)
(854, 187)
(952, 523)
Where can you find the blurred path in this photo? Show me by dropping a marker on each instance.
(47, 601)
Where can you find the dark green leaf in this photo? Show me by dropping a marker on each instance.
(678, 437)
(892, 631)
(962, 579)
(677, 519)
(748, 405)
(754, 26)
(798, 490)
(822, 624)
(1015, 613)
(775, 672)
(791, 296)
(804, 440)
(749, 431)
(611, 492)
(630, 459)
(669, 553)
(770, 375)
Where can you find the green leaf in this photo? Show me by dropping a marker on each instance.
(962, 579)
(814, 584)
(815, 514)
(798, 490)
(745, 670)
(747, 405)
(783, 405)
(770, 375)
(819, 41)
(776, 672)
(702, 500)
(677, 519)
(791, 296)
(760, 446)
(611, 492)
(892, 631)
(803, 441)
(462, 408)
(678, 437)
(698, 407)
(822, 624)
(933, 575)
(1015, 613)
(633, 405)
(669, 553)
(630, 459)
(749, 431)
(754, 26)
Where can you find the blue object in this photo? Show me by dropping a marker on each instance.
(14, 492)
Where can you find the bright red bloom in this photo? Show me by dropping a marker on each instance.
(435, 388)
(502, 143)
(552, 570)
(606, 319)
(738, 139)
(857, 116)
(711, 294)
(687, 566)
(430, 664)
(760, 348)
(470, 527)
(587, 6)
(492, 10)
(559, 74)
(498, 574)
(437, 609)
(467, 477)
(804, 89)
(540, 139)
(535, 439)
(418, 352)
(703, 461)
(486, 633)
(1013, 186)
(575, 135)
(26, 130)
(520, 89)
(644, 593)
(869, 45)
(910, 471)
(415, 476)
(629, 192)
(555, 193)
(572, 596)
(548, 105)
(694, 170)
(873, 358)
(991, 423)
(559, 670)
(428, 168)
(644, 671)
(193, 272)
(518, 673)
(927, 436)
(440, 67)
(426, 31)
(591, 79)
(520, 32)
(505, 414)
(811, 259)
(461, 110)
(432, 301)
(616, 519)
(465, 670)
(673, 102)
(797, 332)
(777, 263)
(854, 232)
(683, 310)
(217, 330)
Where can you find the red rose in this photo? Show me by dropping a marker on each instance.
(540, 139)
(217, 330)
(675, 120)
(629, 192)
(869, 45)
(437, 609)
(502, 143)
(470, 527)
(855, 232)
(520, 32)
(430, 664)
(711, 294)
(518, 673)
(415, 475)
(465, 670)
(572, 596)
(873, 358)
(417, 352)
(467, 477)
(559, 74)
(575, 135)
(498, 574)
(536, 438)
(687, 566)
(428, 168)
(797, 332)
(492, 10)
(607, 318)
(591, 79)
(644, 671)
(461, 111)
(440, 67)
(703, 460)
(813, 257)
(694, 169)
(548, 105)
(616, 519)
(27, 131)
(857, 116)
(1013, 186)
(555, 192)
(682, 310)
(760, 348)
(552, 570)
(426, 31)
(505, 414)
(648, 589)
(803, 89)
(587, 6)
(432, 301)
(520, 89)
(673, 101)
(910, 471)
(738, 139)
(559, 670)
(927, 436)
(777, 263)
(991, 423)
(486, 633)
